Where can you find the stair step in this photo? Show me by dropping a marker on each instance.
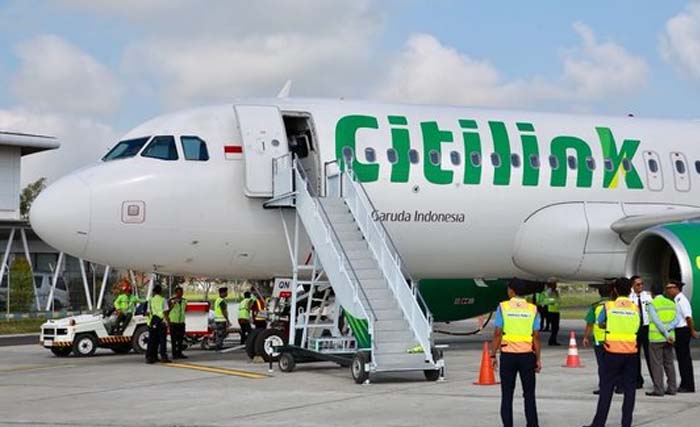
(375, 284)
(365, 274)
(362, 264)
(393, 336)
(401, 361)
(354, 254)
(341, 227)
(376, 294)
(345, 218)
(382, 325)
(394, 347)
(384, 303)
(388, 314)
(350, 236)
(356, 245)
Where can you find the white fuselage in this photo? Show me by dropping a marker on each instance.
(197, 219)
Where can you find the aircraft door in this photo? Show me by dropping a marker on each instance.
(263, 139)
(655, 177)
(681, 175)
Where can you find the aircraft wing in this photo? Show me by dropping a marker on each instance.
(630, 226)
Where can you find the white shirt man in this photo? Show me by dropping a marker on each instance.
(683, 310)
(645, 298)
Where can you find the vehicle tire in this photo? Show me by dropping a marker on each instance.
(358, 367)
(264, 343)
(286, 362)
(84, 345)
(431, 374)
(250, 343)
(139, 342)
(122, 349)
(61, 351)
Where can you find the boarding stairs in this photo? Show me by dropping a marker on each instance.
(362, 265)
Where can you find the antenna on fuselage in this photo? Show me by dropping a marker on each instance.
(284, 93)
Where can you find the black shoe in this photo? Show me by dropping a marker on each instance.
(653, 393)
(596, 392)
(685, 390)
(182, 356)
(165, 360)
(618, 390)
(555, 344)
(640, 386)
(150, 362)
(670, 393)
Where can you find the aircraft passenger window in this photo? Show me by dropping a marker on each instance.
(413, 156)
(194, 148)
(476, 158)
(554, 162)
(654, 166)
(370, 155)
(626, 165)
(435, 157)
(455, 158)
(496, 160)
(515, 160)
(697, 166)
(162, 148)
(347, 154)
(680, 167)
(590, 163)
(392, 156)
(571, 160)
(124, 149)
(535, 161)
(608, 164)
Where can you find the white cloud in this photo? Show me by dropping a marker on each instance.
(83, 141)
(54, 75)
(427, 71)
(679, 44)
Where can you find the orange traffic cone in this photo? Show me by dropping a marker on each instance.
(486, 376)
(572, 359)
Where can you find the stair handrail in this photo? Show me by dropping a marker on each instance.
(300, 178)
(421, 321)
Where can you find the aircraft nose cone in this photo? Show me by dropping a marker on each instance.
(60, 215)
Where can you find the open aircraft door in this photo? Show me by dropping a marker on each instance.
(263, 138)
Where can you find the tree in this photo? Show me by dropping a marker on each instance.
(21, 286)
(30, 192)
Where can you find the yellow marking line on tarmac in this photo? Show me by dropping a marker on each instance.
(26, 368)
(223, 371)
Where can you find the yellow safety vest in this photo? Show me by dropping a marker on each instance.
(218, 312)
(621, 326)
(244, 309)
(553, 301)
(155, 308)
(598, 332)
(666, 311)
(177, 311)
(518, 321)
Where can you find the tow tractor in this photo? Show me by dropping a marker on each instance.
(82, 335)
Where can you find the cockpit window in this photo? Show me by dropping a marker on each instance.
(126, 148)
(161, 147)
(194, 148)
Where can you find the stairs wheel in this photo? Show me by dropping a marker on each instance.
(286, 362)
(431, 374)
(358, 367)
(265, 343)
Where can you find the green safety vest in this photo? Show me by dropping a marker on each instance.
(518, 320)
(218, 313)
(121, 303)
(133, 301)
(177, 311)
(552, 302)
(598, 332)
(155, 308)
(244, 309)
(621, 326)
(666, 311)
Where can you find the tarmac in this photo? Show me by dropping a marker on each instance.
(225, 389)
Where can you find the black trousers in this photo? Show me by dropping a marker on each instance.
(685, 361)
(245, 329)
(642, 344)
(513, 364)
(544, 317)
(617, 369)
(599, 353)
(156, 341)
(177, 338)
(554, 323)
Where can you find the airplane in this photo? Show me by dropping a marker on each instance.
(470, 197)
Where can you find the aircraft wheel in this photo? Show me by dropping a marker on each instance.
(265, 342)
(358, 367)
(61, 351)
(139, 342)
(286, 362)
(84, 345)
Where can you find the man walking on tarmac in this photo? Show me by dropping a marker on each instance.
(641, 298)
(553, 302)
(621, 321)
(517, 337)
(598, 333)
(244, 316)
(685, 330)
(221, 322)
(662, 322)
(157, 327)
(177, 304)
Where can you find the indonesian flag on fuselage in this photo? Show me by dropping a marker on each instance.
(233, 152)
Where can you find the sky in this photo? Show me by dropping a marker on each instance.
(88, 71)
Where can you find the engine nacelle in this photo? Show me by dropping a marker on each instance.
(668, 252)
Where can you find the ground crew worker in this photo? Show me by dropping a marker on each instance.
(157, 327)
(641, 297)
(553, 302)
(221, 322)
(124, 306)
(620, 319)
(662, 316)
(598, 333)
(517, 337)
(177, 305)
(685, 329)
(540, 298)
(258, 312)
(244, 316)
